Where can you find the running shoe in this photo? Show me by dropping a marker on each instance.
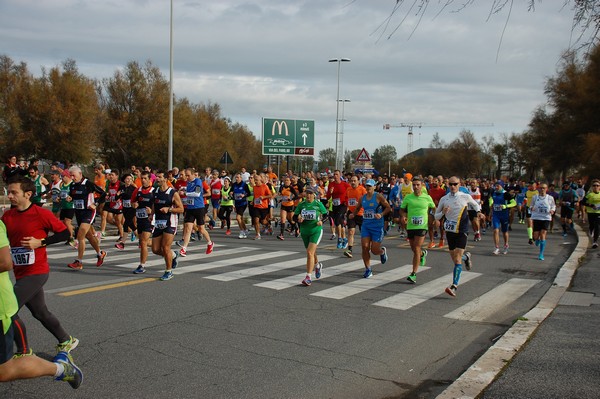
(441, 244)
(594, 245)
(120, 245)
(530, 242)
(477, 237)
(468, 263)
(280, 237)
(412, 278)
(258, 237)
(451, 290)
(100, 257)
(242, 235)
(174, 260)
(297, 233)
(541, 257)
(76, 264)
(348, 253)
(339, 243)
(103, 234)
(333, 236)
(193, 237)
(183, 252)
(368, 273)
(307, 281)
(72, 242)
(496, 251)
(139, 270)
(166, 276)
(228, 232)
(68, 345)
(344, 243)
(98, 235)
(505, 250)
(383, 255)
(132, 238)
(565, 234)
(209, 247)
(71, 374)
(423, 257)
(28, 353)
(179, 243)
(318, 270)
(431, 245)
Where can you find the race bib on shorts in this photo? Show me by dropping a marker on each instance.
(309, 215)
(141, 213)
(78, 204)
(160, 224)
(22, 256)
(126, 203)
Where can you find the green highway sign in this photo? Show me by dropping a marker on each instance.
(288, 137)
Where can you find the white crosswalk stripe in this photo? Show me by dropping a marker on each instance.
(294, 280)
(264, 269)
(419, 294)
(481, 308)
(362, 285)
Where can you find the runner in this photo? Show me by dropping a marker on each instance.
(82, 195)
(17, 367)
(540, 209)
(309, 216)
(436, 193)
(67, 212)
(288, 195)
(100, 180)
(452, 208)
(54, 193)
(531, 192)
(226, 205)
(501, 202)
(472, 210)
(40, 185)
(262, 194)
(142, 201)
(241, 192)
(592, 207)
(166, 205)
(216, 184)
(415, 212)
(114, 206)
(195, 211)
(337, 193)
(354, 193)
(568, 202)
(129, 223)
(27, 227)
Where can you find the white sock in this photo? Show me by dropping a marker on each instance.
(60, 369)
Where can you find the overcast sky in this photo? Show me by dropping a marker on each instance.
(269, 58)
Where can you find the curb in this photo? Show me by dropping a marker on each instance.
(489, 366)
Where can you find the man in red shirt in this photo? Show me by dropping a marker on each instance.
(436, 192)
(27, 228)
(336, 192)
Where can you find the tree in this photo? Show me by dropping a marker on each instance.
(350, 158)
(466, 154)
(383, 156)
(327, 159)
(437, 142)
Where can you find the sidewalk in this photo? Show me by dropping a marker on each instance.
(554, 352)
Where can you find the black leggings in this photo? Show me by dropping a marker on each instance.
(594, 221)
(225, 214)
(29, 291)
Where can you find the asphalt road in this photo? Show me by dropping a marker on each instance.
(237, 323)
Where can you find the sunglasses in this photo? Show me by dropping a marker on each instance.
(453, 184)
(595, 185)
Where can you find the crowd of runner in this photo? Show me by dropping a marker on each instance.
(148, 206)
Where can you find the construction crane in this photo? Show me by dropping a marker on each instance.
(412, 125)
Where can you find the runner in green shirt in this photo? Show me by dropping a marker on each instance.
(309, 214)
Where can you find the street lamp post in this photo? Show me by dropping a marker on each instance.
(342, 120)
(170, 141)
(338, 143)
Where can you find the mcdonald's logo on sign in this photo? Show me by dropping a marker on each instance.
(280, 125)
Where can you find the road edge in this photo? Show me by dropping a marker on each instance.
(485, 369)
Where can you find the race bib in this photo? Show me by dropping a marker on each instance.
(63, 195)
(78, 204)
(257, 201)
(285, 199)
(309, 215)
(216, 191)
(126, 203)
(417, 220)
(141, 213)
(352, 201)
(239, 196)
(369, 214)
(543, 209)
(22, 256)
(160, 224)
(498, 208)
(449, 225)
(336, 202)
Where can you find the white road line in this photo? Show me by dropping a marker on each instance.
(481, 308)
(273, 267)
(365, 284)
(291, 281)
(231, 261)
(421, 293)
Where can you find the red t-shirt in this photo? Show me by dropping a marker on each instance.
(35, 222)
(337, 191)
(436, 194)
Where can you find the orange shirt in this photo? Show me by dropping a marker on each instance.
(100, 181)
(262, 191)
(355, 194)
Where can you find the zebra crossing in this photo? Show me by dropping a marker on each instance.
(251, 261)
